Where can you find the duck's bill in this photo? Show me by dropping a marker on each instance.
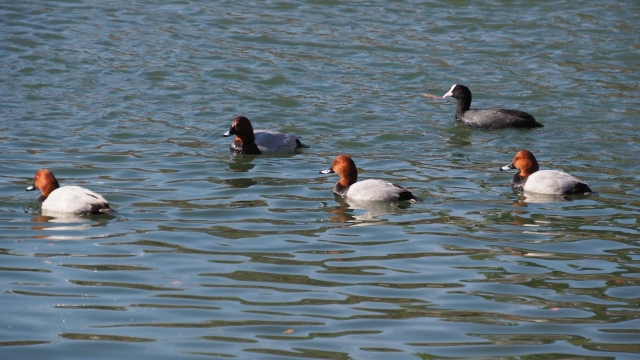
(228, 133)
(450, 93)
(31, 188)
(508, 167)
(328, 171)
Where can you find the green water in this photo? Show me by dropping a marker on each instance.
(219, 255)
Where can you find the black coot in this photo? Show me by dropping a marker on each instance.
(490, 118)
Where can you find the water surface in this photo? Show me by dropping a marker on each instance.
(219, 255)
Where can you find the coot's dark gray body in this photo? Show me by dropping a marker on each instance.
(490, 118)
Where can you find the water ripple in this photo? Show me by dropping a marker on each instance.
(213, 254)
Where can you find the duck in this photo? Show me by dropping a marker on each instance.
(258, 142)
(551, 182)
(67, 199)
(490, 118)
(348, 187)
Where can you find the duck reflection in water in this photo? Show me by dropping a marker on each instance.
(350, 211)
(241, 163)
(533, 198)
(57, 221)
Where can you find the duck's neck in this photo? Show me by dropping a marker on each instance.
(464, 104)
(342, 186)
(529, 170)
(247, 137)
(41, 199)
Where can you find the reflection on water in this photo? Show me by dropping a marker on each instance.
(59, 217)
(529, 197)
(63, 222)
(78, 222)
(362, 213)
(241, 163)
(241, 182)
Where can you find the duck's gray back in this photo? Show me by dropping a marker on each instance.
(498, 119)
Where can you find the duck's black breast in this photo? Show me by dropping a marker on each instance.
(340, 190)
(518, 181)
(497, 119)
(239, 147)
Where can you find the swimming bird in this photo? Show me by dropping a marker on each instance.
(366, 190)
(67, 199)
(552, 182)
(490, 118)
(257, 142)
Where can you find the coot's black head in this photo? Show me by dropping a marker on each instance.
(463, 94)
(459, 92)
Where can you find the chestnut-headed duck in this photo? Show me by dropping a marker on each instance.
(551, 182)
(67, 199)
(490, 118)
(365, 190)
(259, 142)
